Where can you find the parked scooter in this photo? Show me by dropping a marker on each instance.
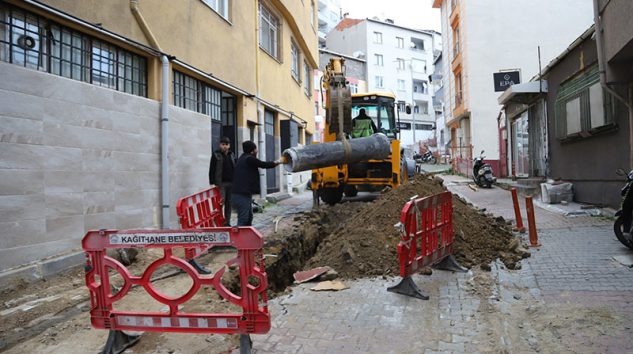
(482, 172)
(624, 216)
(427, 157)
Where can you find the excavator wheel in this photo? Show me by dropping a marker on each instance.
(350, 191)
(331, 196)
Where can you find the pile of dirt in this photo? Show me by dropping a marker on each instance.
(365, 242)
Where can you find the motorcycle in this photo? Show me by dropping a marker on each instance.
(482, 172)
(624, 216)
(428, 157)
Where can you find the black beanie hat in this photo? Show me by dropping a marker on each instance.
(248, 146)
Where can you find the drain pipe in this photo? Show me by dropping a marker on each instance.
(164, 142)
(164, 115)
(144, 27)
(603, 74)
(260, 111)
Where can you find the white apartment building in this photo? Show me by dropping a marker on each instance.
(399, 60)
(483, 37)
(329, 16)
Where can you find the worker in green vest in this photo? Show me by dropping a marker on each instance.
(363, 125)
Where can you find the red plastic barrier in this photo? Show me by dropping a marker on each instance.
(426, 231)
(254, 317)
(202, 209)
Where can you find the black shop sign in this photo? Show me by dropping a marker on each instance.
(506, 79)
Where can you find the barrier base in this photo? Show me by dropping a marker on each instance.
(245, 344)
(407, 287)
(450, 263)
(198, 267)
(118, 341)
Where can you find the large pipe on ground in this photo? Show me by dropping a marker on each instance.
(375, 147)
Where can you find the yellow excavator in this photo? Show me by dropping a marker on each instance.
(357, 154)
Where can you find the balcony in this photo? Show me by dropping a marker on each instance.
(454, 12)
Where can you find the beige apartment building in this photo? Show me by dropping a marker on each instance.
(110, 109)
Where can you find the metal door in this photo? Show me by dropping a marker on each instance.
(269, 129)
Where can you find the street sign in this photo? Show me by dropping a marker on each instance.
(505, 79)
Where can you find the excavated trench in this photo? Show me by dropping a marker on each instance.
(358, 239)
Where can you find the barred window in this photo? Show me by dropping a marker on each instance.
(294, 54)
(37, 43)
(583, 108)
(195, 95)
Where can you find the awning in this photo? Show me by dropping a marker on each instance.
(523, 93)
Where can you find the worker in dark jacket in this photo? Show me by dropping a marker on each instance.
(246, 182)
(221, 174)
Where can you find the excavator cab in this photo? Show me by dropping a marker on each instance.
(378, 107)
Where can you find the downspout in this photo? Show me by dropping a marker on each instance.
(260, 110)
(603, 74)
(164, 142)
(164, 115)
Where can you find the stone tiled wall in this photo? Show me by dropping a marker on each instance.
(75, 157)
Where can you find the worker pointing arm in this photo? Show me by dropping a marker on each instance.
(246, 181)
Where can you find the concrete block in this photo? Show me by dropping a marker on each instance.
(61, 159)
(19, 105)
(21, 207)
(63, 204)
(11, 278)
(98, 182)
(20, 130)
(55, 265)
(99, 202)
(17, 256)
(21, 232)
(129, 200)
(100, 221)
(124, 122)
(18, 182)
(131, 219)
(65, 227)
(125, 180)
(63, 135)
(127, 161)
(63, 181)
(129, 142)
(99, 160)
(98, 139)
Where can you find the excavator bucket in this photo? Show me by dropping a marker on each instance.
(340, 110)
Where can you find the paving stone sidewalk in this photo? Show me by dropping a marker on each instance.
(575, 267)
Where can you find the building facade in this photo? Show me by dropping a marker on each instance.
(329, 17)
(479, 39)
(399, 60)
(111, 109)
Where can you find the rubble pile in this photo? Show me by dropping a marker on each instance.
(365, 241)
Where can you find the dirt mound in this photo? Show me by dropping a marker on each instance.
(365, 242)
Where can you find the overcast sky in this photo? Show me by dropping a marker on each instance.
(418, 14)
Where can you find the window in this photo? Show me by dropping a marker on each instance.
(378, 59)
(400, 63)
(402, 106)
(424, 107)
(418, 66)
(455, 41)
(268, 32)
(353, 88)
(40, 44)
(306, 79)
(417, 44)
(401, 85)
(423, 126)
(404, 126)
(195, 95)
(219, 6)
(378, 81)
(377, 37)
(458, 89)
(399, 42)
(416, 109)
(582, 108)
(294, 54)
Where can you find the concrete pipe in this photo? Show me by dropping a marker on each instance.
(313, 156)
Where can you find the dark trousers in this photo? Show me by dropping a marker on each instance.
(244, 207)
(225, 190)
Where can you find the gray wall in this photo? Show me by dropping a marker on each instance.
(75, 157)
(353, 68)
(589, 163)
